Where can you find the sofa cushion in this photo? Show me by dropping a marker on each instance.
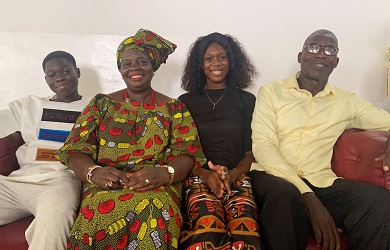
(12, 235)
(355, 153)
(8, 147)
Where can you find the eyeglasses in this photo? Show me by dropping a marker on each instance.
(315, 49)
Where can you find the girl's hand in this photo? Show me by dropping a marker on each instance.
(223, 175)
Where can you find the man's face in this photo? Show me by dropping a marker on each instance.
(61, 76)
(318, 66)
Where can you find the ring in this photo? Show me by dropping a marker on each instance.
(225, 171)
(147, 181)
(109, 184)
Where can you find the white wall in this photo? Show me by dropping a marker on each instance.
(272, 32)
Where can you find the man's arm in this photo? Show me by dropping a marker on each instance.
(370, 117)
(385, 157)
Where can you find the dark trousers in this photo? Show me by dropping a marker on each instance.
(282, 219)
(362, 210)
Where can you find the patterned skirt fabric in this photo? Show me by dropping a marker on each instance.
(124, 219)
(226, 223)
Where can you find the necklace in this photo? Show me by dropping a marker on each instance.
(151, 99)
(215, 103)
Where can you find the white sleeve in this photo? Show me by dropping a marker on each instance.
(8, 123)
(11, 119)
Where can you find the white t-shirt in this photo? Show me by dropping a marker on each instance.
(44, 126)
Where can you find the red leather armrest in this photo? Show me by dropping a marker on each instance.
(354, 155)
(12, 235)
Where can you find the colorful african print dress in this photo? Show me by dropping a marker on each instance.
(131, 136)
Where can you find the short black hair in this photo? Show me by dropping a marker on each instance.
(320, 32)
(59, 54)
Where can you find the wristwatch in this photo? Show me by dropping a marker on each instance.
(171, 172)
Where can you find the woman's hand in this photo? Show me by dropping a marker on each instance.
(108, 177)
(146, 179)
(142, 180)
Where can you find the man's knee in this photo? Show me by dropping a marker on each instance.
(378, 198)
(273, 189)
(370, 196)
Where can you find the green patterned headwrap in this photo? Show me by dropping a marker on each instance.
(152, 45)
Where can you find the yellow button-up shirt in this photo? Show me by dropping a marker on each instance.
(293, 133)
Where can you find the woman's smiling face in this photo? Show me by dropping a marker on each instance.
(136, 70)
(215, 65)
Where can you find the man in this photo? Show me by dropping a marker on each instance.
(295, 124)
(43, 186)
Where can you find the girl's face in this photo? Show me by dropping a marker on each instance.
(215, 66)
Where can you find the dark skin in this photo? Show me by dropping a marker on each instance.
(315, 71)
(157, 177)
(137, 72)
(218, 178)
(62, 78)
(385, 157)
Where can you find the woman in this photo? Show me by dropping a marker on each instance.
(219, 206)
(132, 148)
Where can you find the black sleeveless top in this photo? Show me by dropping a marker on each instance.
(225, 132)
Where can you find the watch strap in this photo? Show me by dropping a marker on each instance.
(171, 175)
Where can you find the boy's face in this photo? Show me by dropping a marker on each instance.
(61, 76)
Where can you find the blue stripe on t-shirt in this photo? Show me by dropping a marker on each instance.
(53, 135)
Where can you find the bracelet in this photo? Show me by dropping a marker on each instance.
(89, 174)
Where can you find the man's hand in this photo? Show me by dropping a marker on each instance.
(322, 223)
(385, 159)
